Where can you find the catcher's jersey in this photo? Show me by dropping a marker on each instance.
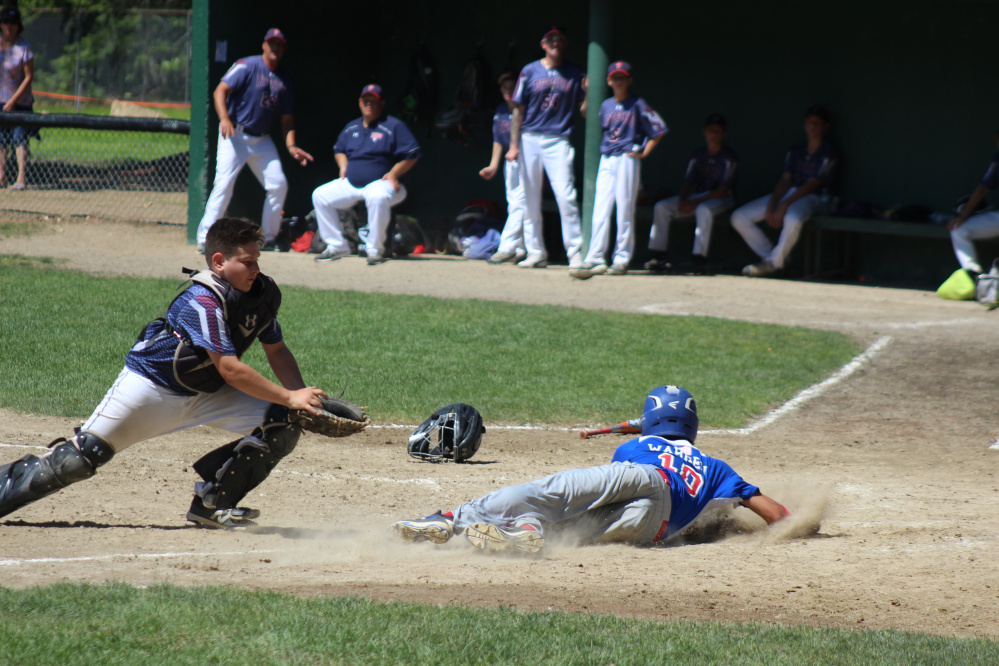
(696, 480)
(803, 166)
(550, 96)
(259, 94)
(198, 315)
(628, 125)
(708, 172)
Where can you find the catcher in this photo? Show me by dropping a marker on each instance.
(184, 370)
(656, 485)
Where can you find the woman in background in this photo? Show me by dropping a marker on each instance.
(17, 70)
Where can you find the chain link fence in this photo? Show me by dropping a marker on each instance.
(111, 105)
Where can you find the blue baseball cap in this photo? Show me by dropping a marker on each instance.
(372, 89)
(275, 33)
(553, 28)
(619, 67)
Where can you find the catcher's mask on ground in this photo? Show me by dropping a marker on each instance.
(458, 431)
(670, 411)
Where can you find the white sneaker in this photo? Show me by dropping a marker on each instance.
(536, 262)
(617, 269)
(598, 269)
(494, 539)
(577, 262)
(502, 257)
(330, 255)
(759, 270)
(375, 258)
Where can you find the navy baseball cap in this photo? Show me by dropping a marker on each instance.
(818, 110)
(10, 15)
(553, 28)
(506, 76)
(275, 33)
(372, 89)
(619, 67)
(716, 119)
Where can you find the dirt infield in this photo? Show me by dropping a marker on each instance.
(894, 462)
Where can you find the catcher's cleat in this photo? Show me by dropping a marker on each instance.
(495, 539)
(437, 528)
(225, 519)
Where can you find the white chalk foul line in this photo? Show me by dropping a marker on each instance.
(795, 402)
(130, 556)
(812, 391)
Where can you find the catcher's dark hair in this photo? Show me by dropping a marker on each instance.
(229, 234)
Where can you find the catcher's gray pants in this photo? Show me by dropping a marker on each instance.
(620, 502)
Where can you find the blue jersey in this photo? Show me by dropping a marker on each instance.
(628, 125)
(550, 96)
(198, 315)
(991, 177)
(501, 125)
(708, 172)
(373, 151)
(696, 480)
(259, 95)
(803, 166)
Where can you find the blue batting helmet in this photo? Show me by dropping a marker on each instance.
(670, 411)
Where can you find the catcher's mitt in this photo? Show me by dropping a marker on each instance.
(337, 418)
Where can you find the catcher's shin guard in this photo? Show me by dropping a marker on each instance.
(33, 477)
(233, 470)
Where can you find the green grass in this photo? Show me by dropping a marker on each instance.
(117, 624)
(404, 356)
(101, 147)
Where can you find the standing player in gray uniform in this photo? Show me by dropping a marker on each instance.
(183, 371)
(632, 130)
(808, 167)
(970, 226)
(547, 94)
(252, 94)
(655, 486)
(707, 191)
(511, 246)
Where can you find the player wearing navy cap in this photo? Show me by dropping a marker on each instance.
(372, 153)
(656, 485)
(707, 191)
(632, 130)
(808, 167)
(511, 245)
(547, 94)
(184, 370)
(252, 95)
(969, 226)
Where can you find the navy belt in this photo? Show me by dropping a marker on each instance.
(243, 130)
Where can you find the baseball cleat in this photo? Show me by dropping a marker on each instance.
(502, 257)
(374, 258)
(617, 269)
(331, 255)
(759, 270)
(225, 519)
(494, 539)
(437, 528)
(533, 262)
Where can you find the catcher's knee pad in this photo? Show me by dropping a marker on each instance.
(251, 461)
(33, 477)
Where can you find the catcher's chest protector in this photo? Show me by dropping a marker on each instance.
(246, 315)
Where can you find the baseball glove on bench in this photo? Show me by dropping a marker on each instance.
(337, 418)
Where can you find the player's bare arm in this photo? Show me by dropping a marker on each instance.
(516, 120)
(397, 172)
(341, 163)
(221, 94)
(650, 145)
(494, 163)
(284, 365)
(288, 128)
(244, 378)
(766, 508)
(973, 201)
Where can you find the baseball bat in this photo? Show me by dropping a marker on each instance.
(629, 427)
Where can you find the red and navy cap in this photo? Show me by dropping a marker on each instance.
(275, 33)
(619, 67)
(553, 28)
(372, 89)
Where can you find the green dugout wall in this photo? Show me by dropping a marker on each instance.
(909, 86)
